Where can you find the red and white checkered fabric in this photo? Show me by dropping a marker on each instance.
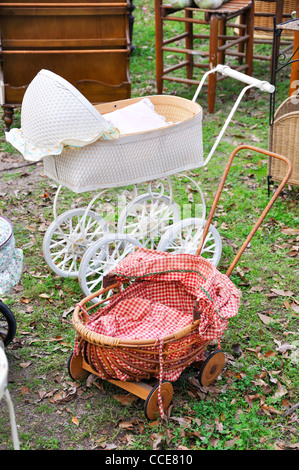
(160, 303)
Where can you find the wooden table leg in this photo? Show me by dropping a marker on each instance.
(8, 117)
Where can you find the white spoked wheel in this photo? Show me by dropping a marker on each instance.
(184, 237)
(68, 237)
(101, 258)
(147, 218)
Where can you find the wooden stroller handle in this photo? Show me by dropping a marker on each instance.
(265, 211)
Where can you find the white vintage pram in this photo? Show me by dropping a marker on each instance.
(83, 152)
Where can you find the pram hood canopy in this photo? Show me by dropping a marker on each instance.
(55, 114)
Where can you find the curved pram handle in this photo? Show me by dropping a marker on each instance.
(242, 77)
(265, 211)
(250, 83)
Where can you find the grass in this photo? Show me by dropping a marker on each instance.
(248, 407)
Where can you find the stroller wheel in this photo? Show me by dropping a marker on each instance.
(68, 237)
(185, 235)
(75, 369)
(211, 368)
(147, 217)
(8, 325)
(151, 406)
(100, 258)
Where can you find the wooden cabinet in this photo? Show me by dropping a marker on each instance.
(87, 43)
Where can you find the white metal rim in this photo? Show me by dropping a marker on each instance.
(184, 237)
(147, 217)
(101, 258)
(64, 249)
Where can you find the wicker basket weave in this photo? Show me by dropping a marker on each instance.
(284, 139)
(267, 21)
(174, 285)
(137, 157)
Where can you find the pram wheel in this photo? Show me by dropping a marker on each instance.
(101, 257)
(68, 237)
(8, 325)
(151, 406)
(75, 369)
(211, 368)
(184, 237)
(147, 217)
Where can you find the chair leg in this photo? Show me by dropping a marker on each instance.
(249, 21)
(214, 23)
(242, 20)
(222, 41)
(159, 45)
(189, 44)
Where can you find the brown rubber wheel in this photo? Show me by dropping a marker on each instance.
(211, 368)
(151, 406)
(75, 368)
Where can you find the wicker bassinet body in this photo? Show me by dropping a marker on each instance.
(267, 10)
(137, 157)
(284, 140)
(177, 282)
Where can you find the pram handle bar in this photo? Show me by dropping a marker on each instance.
(265, 211)
(250, 83)
(242, 77)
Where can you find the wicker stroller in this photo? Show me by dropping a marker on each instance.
(164, 311)
(83, 152)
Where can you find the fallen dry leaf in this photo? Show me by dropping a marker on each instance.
(232, 441)
(125, 399)
(265, 319)
(287, 293)
(270, 410)
(44, 296)
(24, 365)
(290, 231)
(75, 421)
(126, 425)
(158, 438)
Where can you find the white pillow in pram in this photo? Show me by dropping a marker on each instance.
(137, 117)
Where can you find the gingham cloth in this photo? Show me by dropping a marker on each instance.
(159, 303)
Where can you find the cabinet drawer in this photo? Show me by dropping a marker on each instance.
(51, 3)
(101, 75)
(74, 27)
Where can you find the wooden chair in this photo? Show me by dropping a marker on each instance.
(219, 44)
